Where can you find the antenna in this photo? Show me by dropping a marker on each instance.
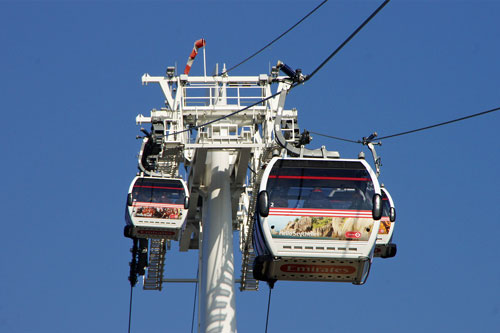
(204, 62)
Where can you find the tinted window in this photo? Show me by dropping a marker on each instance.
(386, 205)
(158, 191)
(321, 188)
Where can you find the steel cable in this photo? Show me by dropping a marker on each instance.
(130, 309)
(274, 40)
(440, 124)
(414, 130)
(268, 307)
(335, 137)
(194, 302)
(295, 83)
(351, 36)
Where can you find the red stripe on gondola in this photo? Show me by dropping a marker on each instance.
(321, 178)
(156, 204)
(273, 209)
(162, 187)
(319, 212)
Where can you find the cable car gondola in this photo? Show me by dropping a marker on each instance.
(156, 207)
(315, 220)
(384, 247)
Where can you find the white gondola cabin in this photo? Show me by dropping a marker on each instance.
(156, 207)
(384, 247)
(317, 220)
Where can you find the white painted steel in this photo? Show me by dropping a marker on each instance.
(217, 298)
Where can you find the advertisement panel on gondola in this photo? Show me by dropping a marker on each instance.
(385, 227)
(320, 224)
(158, 211)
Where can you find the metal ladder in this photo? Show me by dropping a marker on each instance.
(154, 276)
(248, 255)
(248, 282)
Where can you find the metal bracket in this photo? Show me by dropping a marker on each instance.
(324, 151)
(371, 145)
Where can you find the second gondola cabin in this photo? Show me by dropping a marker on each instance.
(156, 207)
(317, 220)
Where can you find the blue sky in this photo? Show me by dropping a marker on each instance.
(69, 96)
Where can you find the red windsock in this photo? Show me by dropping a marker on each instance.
(199, 43)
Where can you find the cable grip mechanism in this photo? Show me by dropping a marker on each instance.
(368, 141)
(295, 75)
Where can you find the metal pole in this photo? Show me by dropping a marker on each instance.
(204, 63)
(217, 297)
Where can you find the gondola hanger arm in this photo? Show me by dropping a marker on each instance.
(368, 141)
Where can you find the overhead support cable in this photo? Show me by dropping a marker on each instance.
(305, 78)
(414, 130)
(274, 40)
(351, 36)
(335, 137)
(440, 124)
(297, 78)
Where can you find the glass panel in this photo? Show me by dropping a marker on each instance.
(386, 205)
(320, 188)
(158, 198)
(158, 191)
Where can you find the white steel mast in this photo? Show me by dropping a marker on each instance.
(200, 127)
(217, 297)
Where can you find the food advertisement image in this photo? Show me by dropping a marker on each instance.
(385, 227)
(171, 213)
(317, 227)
